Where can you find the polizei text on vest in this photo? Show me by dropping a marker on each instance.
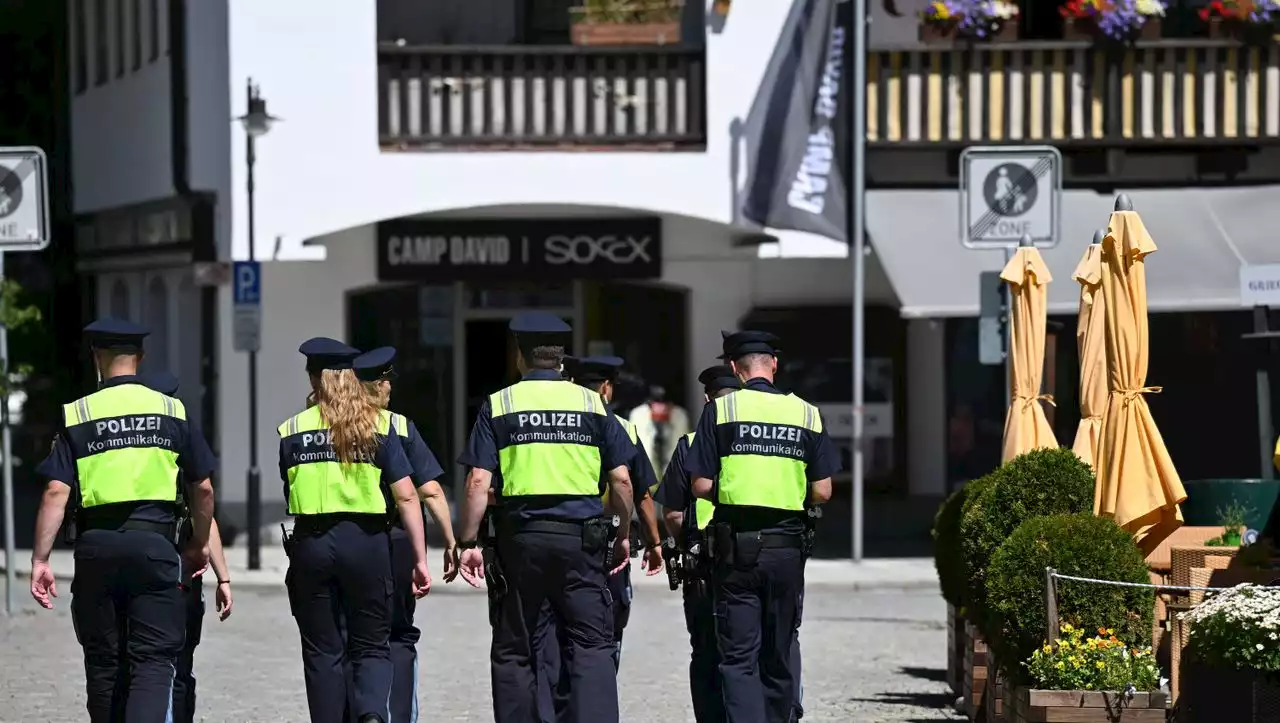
(121, 432)
(550, 427)
(780, 440)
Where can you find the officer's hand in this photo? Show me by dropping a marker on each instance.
(223, 600)
(450, 563)
(43, 585)
(471, 565)
(195, 559)
(652, 560)
(421, 580)
(621, 551)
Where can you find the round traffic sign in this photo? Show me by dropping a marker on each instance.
(10, 192)
(1010, 189)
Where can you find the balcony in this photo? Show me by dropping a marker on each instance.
(1192, 93)
(454, 98)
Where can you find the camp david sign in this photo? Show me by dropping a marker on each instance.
(1007, 192)
(514, 249)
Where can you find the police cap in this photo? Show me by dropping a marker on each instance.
(375, 364)
(738, 344)
(163, 382)
(325, 353)
(538, 328)
(715, 378)
(115, 335)
(593, 369)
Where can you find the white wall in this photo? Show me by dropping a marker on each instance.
(321, 170)
(120, 130)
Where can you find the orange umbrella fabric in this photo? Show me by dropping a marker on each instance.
(1137, 484)
(1025, 427)
(1091, 343)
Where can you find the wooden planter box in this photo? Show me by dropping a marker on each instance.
(945, 34)
(956, 644)
(1078, 29)
(1220, 29)
(975, 670)
(1081, 706)
(1210, 695)
(589, 33)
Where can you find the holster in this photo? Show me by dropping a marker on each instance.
(286, 541)
(812, 515)
(673, 560)
(598, 535)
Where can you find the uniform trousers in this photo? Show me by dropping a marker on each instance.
(336, 575)
(550, 573)
(795, 658)
(704, 660)
(404, 634)
(184, 683)
(756, 608)
(127, 609)
(553, 681)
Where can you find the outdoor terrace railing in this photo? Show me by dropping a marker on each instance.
(522, 97)
(1075, 93)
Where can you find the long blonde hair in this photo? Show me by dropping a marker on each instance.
(350, 414)
(379, 394)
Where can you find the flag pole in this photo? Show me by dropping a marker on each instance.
(856, 226)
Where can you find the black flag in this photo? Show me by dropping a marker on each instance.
(797, 177)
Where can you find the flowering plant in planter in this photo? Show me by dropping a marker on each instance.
(1114, 19)
(1100, 662)
(1237, 629)
(970, 18)
(1253, 12)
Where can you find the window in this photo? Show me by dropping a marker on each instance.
(101, 53)
(135, 18)
(120, 39)
(155, 30)
(119, 302)
(158, 322)
(81, 59)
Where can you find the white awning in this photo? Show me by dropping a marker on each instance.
(1203, 237)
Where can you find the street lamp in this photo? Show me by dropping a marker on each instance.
(256, 122)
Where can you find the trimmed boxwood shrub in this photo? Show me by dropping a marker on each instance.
(1040, 482)
(1080, 545)
(946, 546)
(971, 517)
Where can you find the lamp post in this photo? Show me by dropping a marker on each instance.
(256, 122)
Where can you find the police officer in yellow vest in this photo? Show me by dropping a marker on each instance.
(598, 373)
(760, 456)
(686, 518)
(123, 451)
(545, 445)
(341, 465)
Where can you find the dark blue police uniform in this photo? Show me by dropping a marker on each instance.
(676, 493)
(757, 606)
(340, 569)
(373, 366)
(590, 372)
(184, 680)
(127, 605)
(549, 572)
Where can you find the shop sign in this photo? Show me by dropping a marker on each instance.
(516, 249)
(1260, 285)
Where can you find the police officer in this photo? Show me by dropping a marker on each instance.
(545, 445)
(598, 373)
(338, 461)
(760, 456)
(686, 517)
(184, 679)
(123, 450)
(375, 368)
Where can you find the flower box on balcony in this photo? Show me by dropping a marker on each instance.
(947, 33)
(1246, 32)
(1088, 706)
(589, 33)
(1087, 29)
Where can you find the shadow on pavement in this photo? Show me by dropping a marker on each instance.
(937, 675)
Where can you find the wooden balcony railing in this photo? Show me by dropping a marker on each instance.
(1070, 93)
(521, 97)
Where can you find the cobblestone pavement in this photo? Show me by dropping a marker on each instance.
(869, 656)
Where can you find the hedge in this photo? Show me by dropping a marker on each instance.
(1040, 482)
(971, 516)
(946, 546)
(1080, 545)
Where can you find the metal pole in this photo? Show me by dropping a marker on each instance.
(1266, 432)
(6, 448)
(253, 480)
(1008, 333)
(857, 225)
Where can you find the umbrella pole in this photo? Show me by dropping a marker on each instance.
(1008, 333)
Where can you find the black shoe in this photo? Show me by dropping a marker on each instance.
(371, 718)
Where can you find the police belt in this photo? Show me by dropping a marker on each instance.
(554, 527)
(166, 529)
(780, 540)
(316, 525)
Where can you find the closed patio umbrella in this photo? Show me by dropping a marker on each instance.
(1091, 344)
(1025, 426)
(1137, 484)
